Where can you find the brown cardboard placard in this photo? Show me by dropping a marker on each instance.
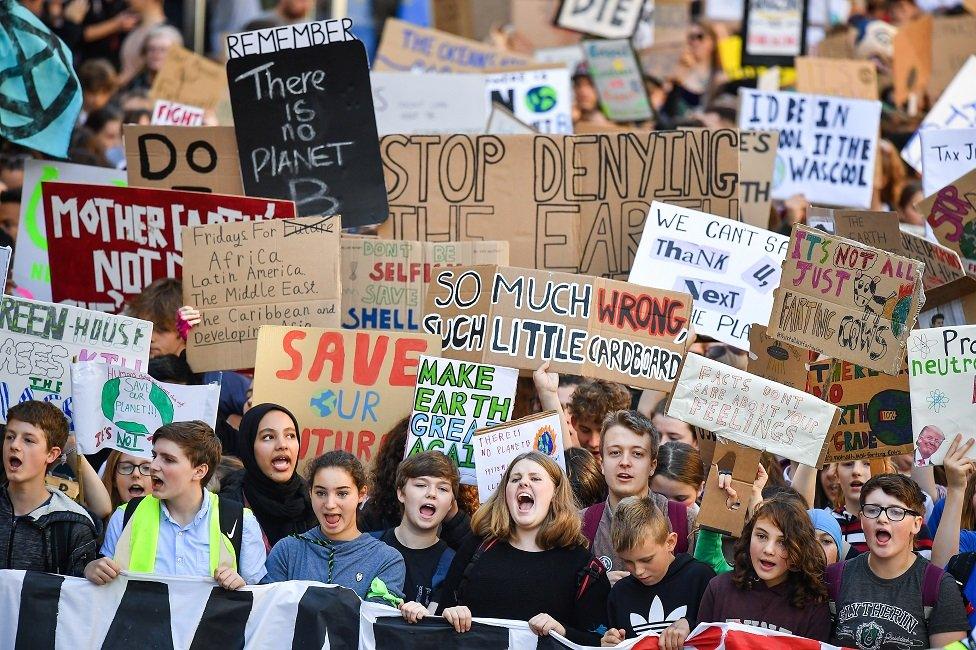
(534, 21)
(716, 513)
(405, 46)
(191, 79)
(468, 18)
(837, 45)
(776, 360)
(757, 160)
(953, 40)
(671, 19)
(586, 326)
(661, 59)
(245, 275)
(347, 389)
(911, 67)
(564, 203)
(198, 158)
(384, 281)
(847, 300)
(877, 229)
(838, 77)
(952, 214)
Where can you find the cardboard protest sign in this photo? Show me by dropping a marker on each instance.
(751, 410)
(671, 19)
(942, 376)
(469, 18)
(245, 275)
(502, 121)
(188, 78)
(846, 300)
(947, 154)
(384, 282)
(605, 19)
(452, 400)
(776, 360)
(618, 79)
(31, 269)
(542, 98)
(827, 145)
(534, 21)
(170, 113)
(586, 326)
(661, 59)
(347, 389)
(954, 38)
(306, 129)
(944, 278)
(956, 109)
(108, 243)
(875, 417)
(729, 268)
(757, 163)
(408, 47)
(838, 77)
(117, 408)
(198, 159)
(911, 66)
(40, 340)
(773, 33)
(406, 102)
(952, 214)
(716, 512)
(566, 203)
(496, 447)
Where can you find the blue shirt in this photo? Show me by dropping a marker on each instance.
(185, 550)
(967, 538)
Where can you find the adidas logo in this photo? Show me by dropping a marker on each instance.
(656, 621)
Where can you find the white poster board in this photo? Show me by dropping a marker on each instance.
(495, 447)
(730, 268)
(827, 145)
(421, 103)
(543, 99)
(947, 154)
(606, 18)
(503, 122)
(956, 109)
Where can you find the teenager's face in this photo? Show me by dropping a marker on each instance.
(831, 552)
(528, 494)
(335, 499)
(767, 550)
(162, 343)
(830, 482)
(276, 446)
(135, 484)
(588, 432)
(852, 476)
(627, 464)
(25, 453)
(674, 490)
(172, 472)
(649, 560)
(674, 430)
(426, 501)
(886, 538)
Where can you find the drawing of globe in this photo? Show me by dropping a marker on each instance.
(541, 99)
(968, 241)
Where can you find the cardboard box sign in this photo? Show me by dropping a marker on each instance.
(245, 275)
(198, 159)
(776, 360)
(592, 327)
(189, 78)
(847, 300)
(757, 161)
(718, 512)
(838, 77)
(911, 66)
(385, 282)
(497, 446)
(951, 212)
(407, 47)
(605, 19)
(108, 243)
(347, 389)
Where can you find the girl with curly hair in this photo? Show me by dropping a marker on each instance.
(777, 579)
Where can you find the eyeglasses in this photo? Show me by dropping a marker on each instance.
(894, 513)
(127, 468)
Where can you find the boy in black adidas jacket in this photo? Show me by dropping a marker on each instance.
(663, 591)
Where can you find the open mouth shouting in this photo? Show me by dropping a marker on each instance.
(525, 502)
(427, 511)
(882, 537)
(14, 463)
(136, 490)
(856, 486)
(332, 521)
(157, 483)
(281, 463)
(625, 477)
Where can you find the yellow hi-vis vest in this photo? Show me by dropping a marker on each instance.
(136, 549)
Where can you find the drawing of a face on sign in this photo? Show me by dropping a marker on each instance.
(136, 407)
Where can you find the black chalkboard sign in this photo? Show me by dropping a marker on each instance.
(306, 130)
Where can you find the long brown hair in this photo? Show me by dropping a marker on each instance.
(968, 521)
(108, 478)
(559, 529)
(804, 556)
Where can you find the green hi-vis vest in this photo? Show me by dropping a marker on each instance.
(136, 548)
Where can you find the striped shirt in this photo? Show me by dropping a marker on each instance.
(853, 534)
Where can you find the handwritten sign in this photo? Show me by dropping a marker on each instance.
(452, 400)
(121, 409)
(947, 154)
(951, 212)
(757, 164)
(108, 243)
(170, 113)
(39, 341)
(837, 77)
(543, 99)
(245, 275)
(619, 80)
(827, 145)
(751, 410)
(347, 389)
(847, 300)
(776, 360)
(773, 33)
(416, 102)
(584, 326)
(198, 159)
(188, 78)
(498, 446)
(606, 19)
(408, 47)
(956, 109)
(729, 268)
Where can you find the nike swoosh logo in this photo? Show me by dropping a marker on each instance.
(233, 528)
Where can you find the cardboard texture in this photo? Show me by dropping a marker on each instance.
(839, 45)
(952, 214)
(773, 33)
(606, 19)
(751, 410)
(955, 109)
(838, 77)
(108, 243)
(875, 418)
(729, 268)
(408, 47)
(188, 78)
(827, 145)
(469, 18)
(454, 399)
(416, 102)
(245, 275)
(757, 163)
(671, 19)
(496, 447)
(618, 79)
(775, 360)
(167, 113)
(542, 98)
(117, 408)
(847, 300)
(586, 326)
(198, 159)
(718, 512)
(385, 282)
(502, 121)
(575, 204)
(534, 21)
(911, 66)
(31, 269)
(947, 154)
(314, 143)
(955, 40)
(877, 229)
(660, 60)
(942, 376)
(42, 339)
(347, 389)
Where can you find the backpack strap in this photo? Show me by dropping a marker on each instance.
(960, 567)
(483, 548)
(443, 564)
(129, 510)
(232, 523)
(835, 576)
(588, 575)
(591, 520)
(678, 515)
(931, 583)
